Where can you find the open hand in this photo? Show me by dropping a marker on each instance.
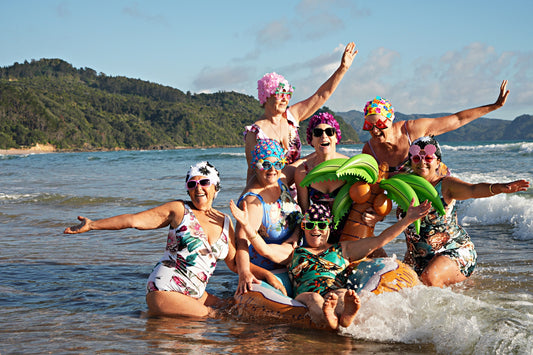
(503, 94)
(83, 227)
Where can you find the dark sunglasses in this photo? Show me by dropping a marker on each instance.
(318, 132)
(367, 126)
(191, 184)
(310, 225)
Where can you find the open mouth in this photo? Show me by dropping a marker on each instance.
(325, 144)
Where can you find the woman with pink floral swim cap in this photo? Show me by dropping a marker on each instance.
(390, 140)
(280, 123)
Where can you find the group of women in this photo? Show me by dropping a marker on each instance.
(270, 221)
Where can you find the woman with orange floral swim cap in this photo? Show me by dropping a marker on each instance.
(280, 123)
(390, 140)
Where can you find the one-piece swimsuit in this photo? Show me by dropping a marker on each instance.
(440, 235)
(189, 259)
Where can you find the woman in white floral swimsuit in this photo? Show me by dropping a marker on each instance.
(199, 235)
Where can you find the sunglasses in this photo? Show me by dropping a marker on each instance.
(310, 225)
(318, 132)
(191, 184)
(280, 95)
(429, 155)
(267, 165)
(367, 126)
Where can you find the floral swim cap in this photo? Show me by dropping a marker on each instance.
(269, 84)
(323, 117)
(204, 168)
(267, 148)
(379, 106)
(318, 212)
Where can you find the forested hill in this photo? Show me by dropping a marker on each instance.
(50, 101)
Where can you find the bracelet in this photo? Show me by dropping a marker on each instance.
(490, 189)
(253, 237)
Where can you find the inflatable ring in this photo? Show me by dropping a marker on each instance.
(377, 275)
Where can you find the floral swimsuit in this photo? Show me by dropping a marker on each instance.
(295, 145)
(319, 273)
(189, 259)
(280, 219)
(440, 235)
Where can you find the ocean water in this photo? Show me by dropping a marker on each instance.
(85, 293)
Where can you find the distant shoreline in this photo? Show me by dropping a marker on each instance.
(49, 148)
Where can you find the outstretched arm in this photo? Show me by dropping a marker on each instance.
(440, 125)
(157, 217)
(304, 109)
(456, 189)
(358, 249)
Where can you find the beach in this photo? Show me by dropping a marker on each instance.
(86, 293)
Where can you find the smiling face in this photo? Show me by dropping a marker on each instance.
(316, 237)
(380, 126)
(277, 103)
(426, 166)
(201, 196)
(324, 143)
(269, 176)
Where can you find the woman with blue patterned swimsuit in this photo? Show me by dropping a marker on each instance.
(274, 215)
(443, 254)
(199, 236)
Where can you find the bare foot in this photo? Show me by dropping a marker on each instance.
(329, 310)
(352, 303)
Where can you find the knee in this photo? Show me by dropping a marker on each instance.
(430, 277)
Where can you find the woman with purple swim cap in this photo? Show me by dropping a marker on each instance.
(280, 123)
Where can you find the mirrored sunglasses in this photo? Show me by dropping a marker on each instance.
(428, 156)
(267, 165)
(367, 126)
(191, 184)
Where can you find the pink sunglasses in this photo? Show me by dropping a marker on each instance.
(429, 155)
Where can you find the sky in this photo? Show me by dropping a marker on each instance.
(424, 56)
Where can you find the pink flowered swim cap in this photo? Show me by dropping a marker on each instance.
(323, 117)
(379, 106)
(269, 84)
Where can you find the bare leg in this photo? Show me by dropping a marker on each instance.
(330, 302)
(314, 303)
(169, 303)
(441, 271)
(352, 303)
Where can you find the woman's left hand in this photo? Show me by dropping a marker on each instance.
(515, 186)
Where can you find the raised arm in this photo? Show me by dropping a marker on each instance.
(157, 217)
(358, 249)
(304, 109)
(436, 126)
(456, 189)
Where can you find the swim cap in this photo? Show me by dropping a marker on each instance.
(379, 106)
(269, 84)
(318, 212)
(423, 141)
(267, 148)
(203, 168)
(323, 117)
